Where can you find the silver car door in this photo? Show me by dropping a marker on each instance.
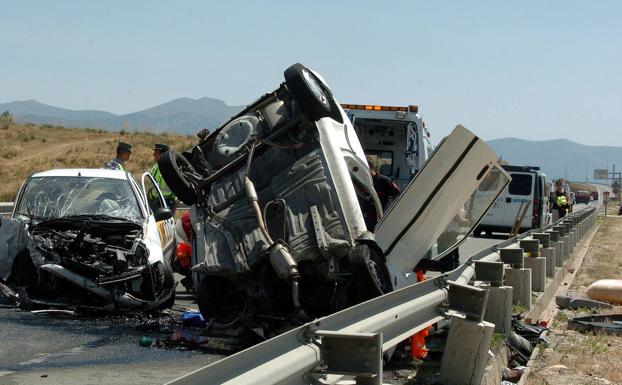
(445, 189)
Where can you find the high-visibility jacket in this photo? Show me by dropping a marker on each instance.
(157, 176)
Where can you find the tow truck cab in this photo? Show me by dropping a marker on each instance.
(395, 137)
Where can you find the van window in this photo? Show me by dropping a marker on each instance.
(520, 184)
(383, 160)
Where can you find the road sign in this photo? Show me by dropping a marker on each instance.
(606, 196)
(601, 173)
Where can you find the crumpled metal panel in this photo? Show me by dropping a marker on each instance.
(12, 241)
(230, 239)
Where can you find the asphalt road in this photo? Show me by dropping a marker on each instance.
(45, 349)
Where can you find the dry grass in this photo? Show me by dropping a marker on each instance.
(586, 358)
(28, 148)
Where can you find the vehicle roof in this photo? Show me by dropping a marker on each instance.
(511, 167)
(84, 172)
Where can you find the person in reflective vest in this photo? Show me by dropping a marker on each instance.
(169, 197)
(124, 151)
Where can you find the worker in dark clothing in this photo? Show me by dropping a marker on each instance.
(124, 151)
(384, 186)
(560, 200)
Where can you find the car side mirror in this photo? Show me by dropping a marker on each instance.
(163, 213)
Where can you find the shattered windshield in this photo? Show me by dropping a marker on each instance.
(472, 211)
(47, 198)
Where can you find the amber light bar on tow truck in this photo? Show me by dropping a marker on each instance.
(370, 107)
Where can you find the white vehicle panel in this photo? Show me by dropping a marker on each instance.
(432, 199)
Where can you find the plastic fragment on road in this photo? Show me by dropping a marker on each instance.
(604, 323)
(145, 341)
(193, 318)
(607, 290)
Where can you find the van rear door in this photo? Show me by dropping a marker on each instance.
(520, 193)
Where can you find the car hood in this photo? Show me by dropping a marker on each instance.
(91, 222)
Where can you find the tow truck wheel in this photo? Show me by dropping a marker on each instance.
(172, 166)
(315, 99)
(369, 272)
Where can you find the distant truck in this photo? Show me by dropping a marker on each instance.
(528, 187)
(582, 196)
(395, 137)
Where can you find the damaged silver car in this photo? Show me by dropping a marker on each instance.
(88, 239)
(279, 199)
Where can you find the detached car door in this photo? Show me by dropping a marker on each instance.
(154, 200)
(445, 201)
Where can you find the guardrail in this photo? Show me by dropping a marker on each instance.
(380, 324)
(6, 208)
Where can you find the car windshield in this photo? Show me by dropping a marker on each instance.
(65, 196)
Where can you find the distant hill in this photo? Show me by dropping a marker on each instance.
(559, 157)
(181, 116)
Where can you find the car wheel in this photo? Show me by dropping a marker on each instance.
(165, 284)
(172, 165)
(315, 99)
(369, 272)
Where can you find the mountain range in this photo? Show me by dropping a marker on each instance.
(181, 116)
(557, 158)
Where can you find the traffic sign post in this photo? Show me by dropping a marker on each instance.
(605, 200)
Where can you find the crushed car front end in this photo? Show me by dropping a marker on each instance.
(80, 239)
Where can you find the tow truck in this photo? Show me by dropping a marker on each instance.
(394, 137)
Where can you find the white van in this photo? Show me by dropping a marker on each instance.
(395, 137)
(528, 187)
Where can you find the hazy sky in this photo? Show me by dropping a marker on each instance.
(528, 69)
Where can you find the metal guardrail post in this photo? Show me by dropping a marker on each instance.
(499, 305)
(535, 262)
(466, 350)
(518, 277)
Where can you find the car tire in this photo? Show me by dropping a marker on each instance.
(165, 284)
(369, 272)
(172, 165)
(315, 99)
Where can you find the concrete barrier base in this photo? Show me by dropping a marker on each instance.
(520, 280)
(538, 272)
(549, 254)
(499, 308)
(466, 352)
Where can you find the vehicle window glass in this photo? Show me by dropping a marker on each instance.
(469, 215)
(520, 184)
(383, 160)
(55, 197)
(153, 196)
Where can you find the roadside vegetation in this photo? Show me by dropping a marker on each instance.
(29, 148)
(586, 358)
